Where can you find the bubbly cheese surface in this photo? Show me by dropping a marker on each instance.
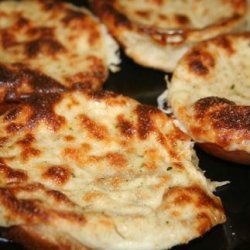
(179, 14)
(103, 170)
(210, 91)
(157, 33)
(45, 42)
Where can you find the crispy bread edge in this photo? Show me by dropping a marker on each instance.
(32, 238)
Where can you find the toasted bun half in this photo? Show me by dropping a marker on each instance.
(157, 33)
(97, 170)
(44, 43)
(210, 95)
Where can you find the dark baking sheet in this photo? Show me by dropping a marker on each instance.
(145, 85)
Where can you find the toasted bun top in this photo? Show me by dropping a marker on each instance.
(52, 41)
(103, 170)
(210, 92)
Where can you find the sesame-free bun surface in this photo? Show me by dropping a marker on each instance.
(157, 33)
(210, 95)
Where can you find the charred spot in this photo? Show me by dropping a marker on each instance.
(42, 109)
(71, 216)
(182, 19)
(12, 175)
(16, 77)
(183, 199)
(92, 79)
(22, 22)
(41, 32)
(158, 2)
(204, 200)
(60, 197)
(14, 127)
(178, 166)
(225, 43)
(145, 124)
(80, 85)
(48, 46)
(232, 117)
(101, 95)
(50, 5)
(198, 67)
(161, 139)
(239, 6)
(8, 77)
(204, 223)
(105, 9)
(203, 105)
(168, 144)
(200, 62)
(28, 139)
(72, 16)
(7, 38)
(94, 36)
(143, 14)
(223, 113)
(126, 128)
(40, 82)
(28, 152)
(33, 187)
(120, 19)
(163, 17)
(116, 159)
(94, 129)
(58, 174)
(195, 196)
(69, 138)
(13, 113)
(26, 209)
(3, 140)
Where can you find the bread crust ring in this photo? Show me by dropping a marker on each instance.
(237, 156)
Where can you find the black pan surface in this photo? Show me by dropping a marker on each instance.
(146, 85)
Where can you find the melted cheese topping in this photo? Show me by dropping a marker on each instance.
(218, 69)
(158, 33)
(178, 14)
(106, 170)
(59, 41)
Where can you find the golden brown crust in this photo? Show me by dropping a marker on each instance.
(116, 21)
(237, 156)
(224, 117)
(35, 239)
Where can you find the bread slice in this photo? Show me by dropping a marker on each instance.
(157, 33)
(97, 170)
(210, 95)
(52, 42)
